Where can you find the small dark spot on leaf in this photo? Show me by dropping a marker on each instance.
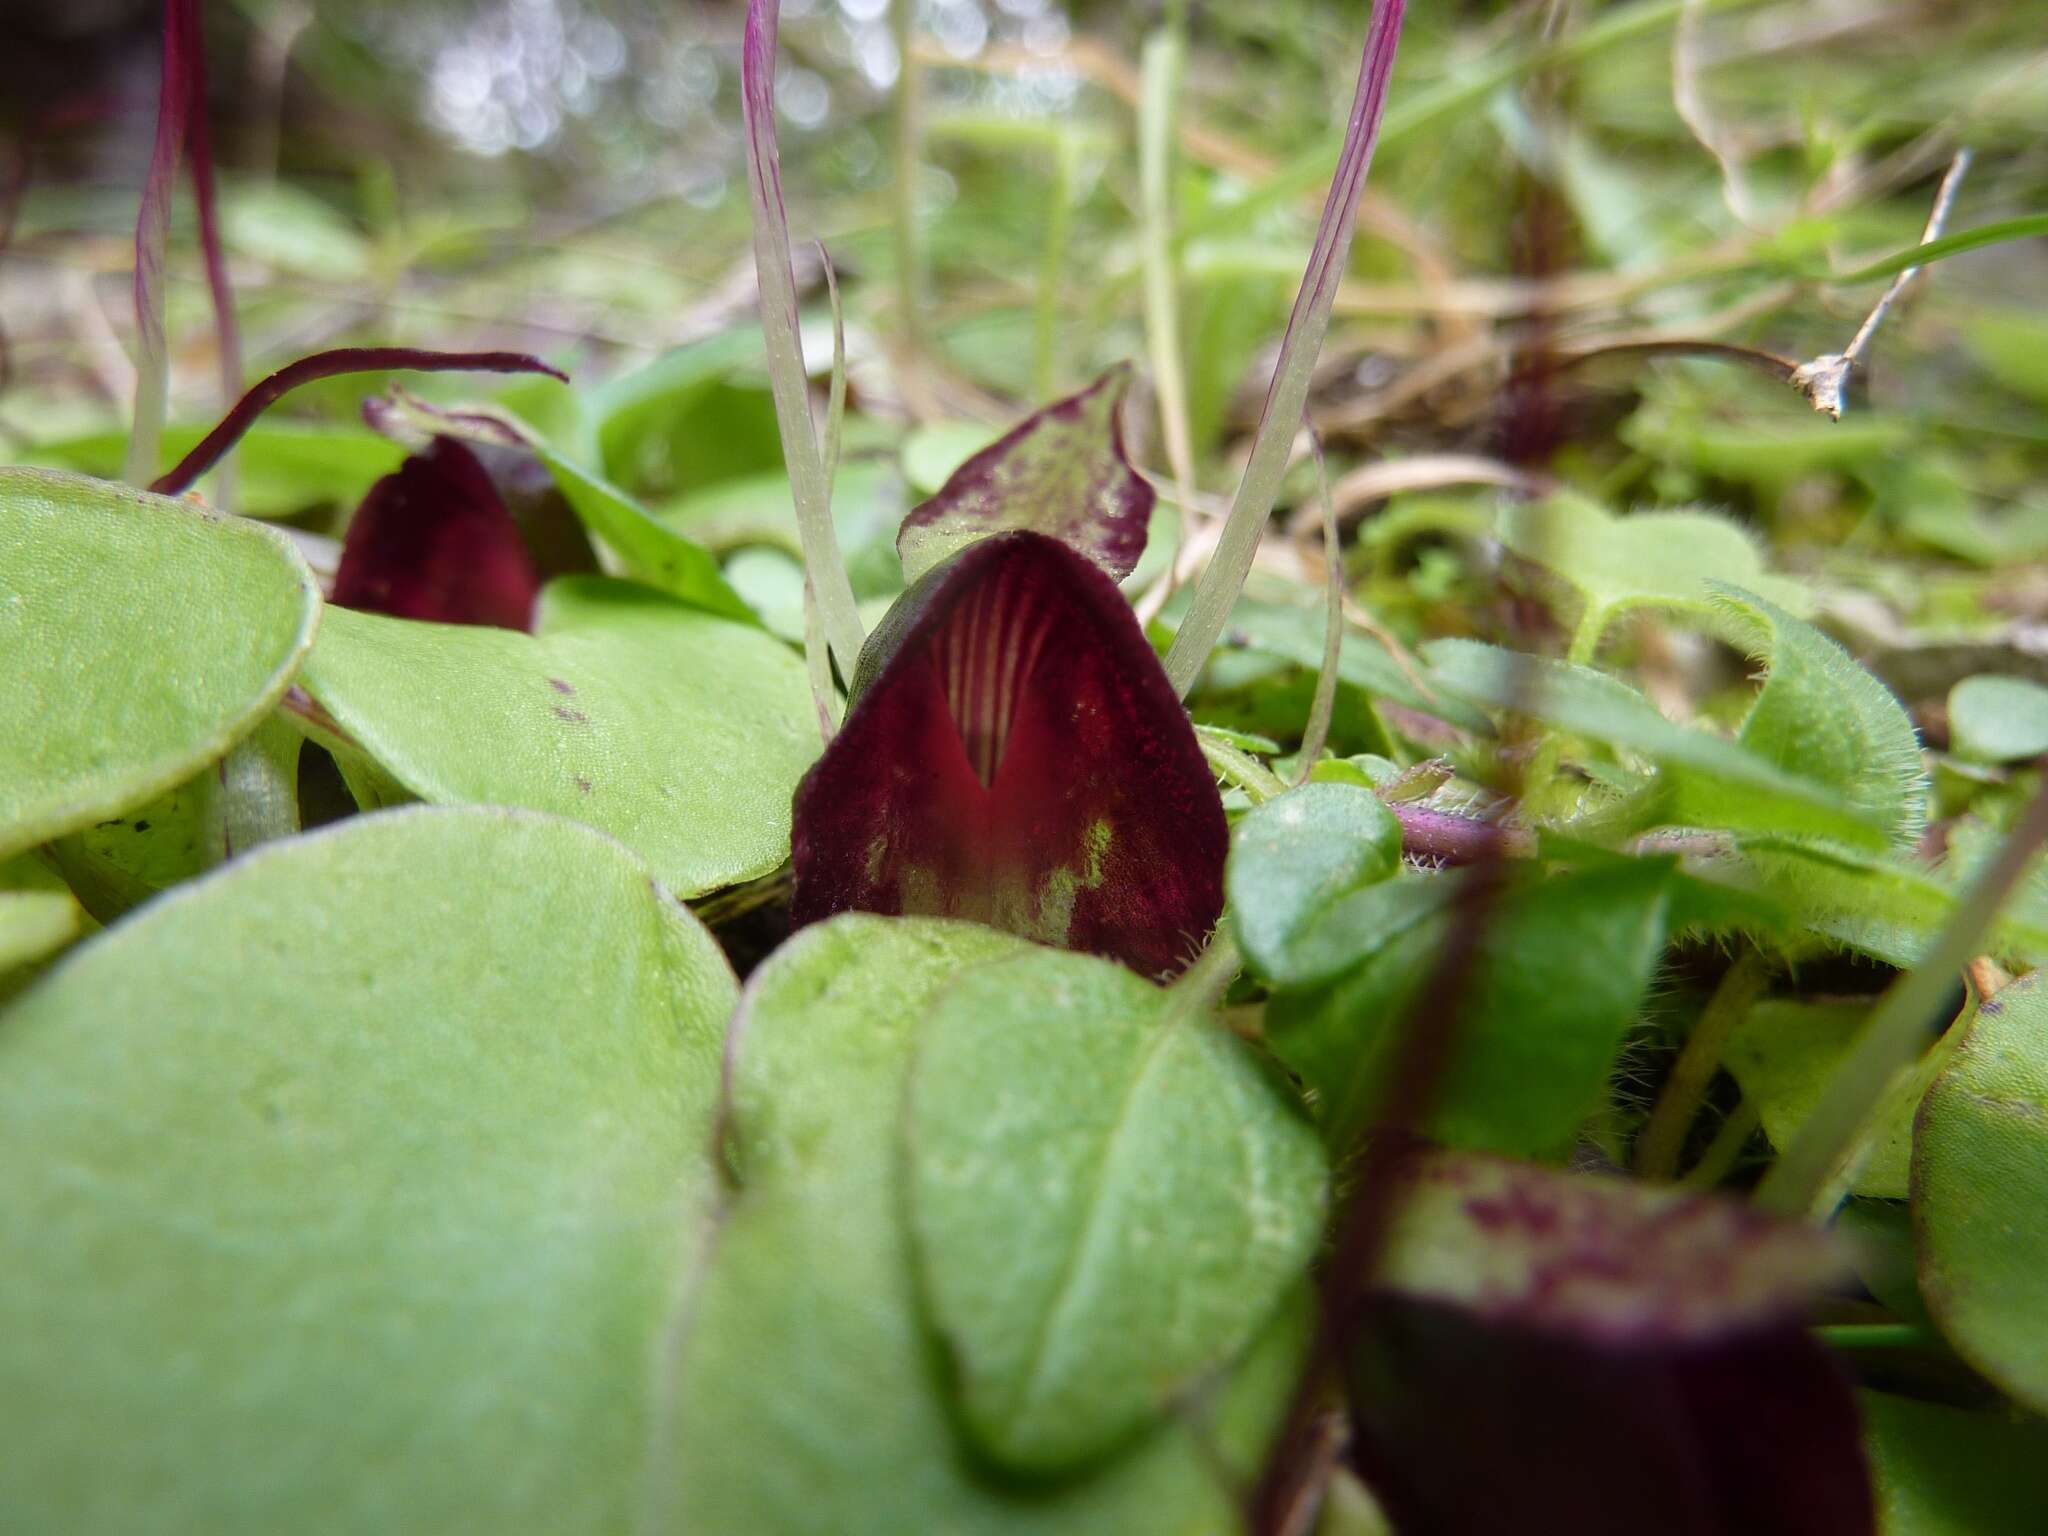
(573, 716)
(142, 826)
(560, 686)
(583, 784)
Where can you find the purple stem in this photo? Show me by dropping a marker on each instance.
(327, 365)
(199, 160)
(1453, 839)
(152, 230)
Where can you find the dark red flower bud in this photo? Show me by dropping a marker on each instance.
(1015, 755)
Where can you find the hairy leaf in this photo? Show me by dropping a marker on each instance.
(143, 637)
(1562, 972)
(1713, 781)
(679, 733)
(1108, 1195)
(1980, 1184)
(1822, 716)
(349, 1217)
(247, 798)
(1014, 755)
(1061, 472)
(1661, 559)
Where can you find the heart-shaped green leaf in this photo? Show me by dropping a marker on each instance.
(355, 1184)
(1646, 560)
(1822, 716)
(1108, 1196)
(806, 1397)
(1980, 1186)
(1292, 857)
(1994, 719)
(143, 637)
(681, 734)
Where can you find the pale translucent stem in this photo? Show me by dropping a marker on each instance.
(1158, 115)
(823, 564)
(1288, 394)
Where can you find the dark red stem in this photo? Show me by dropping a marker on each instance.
(185, 15)
(327, 365)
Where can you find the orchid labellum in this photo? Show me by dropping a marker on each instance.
(1546, 1351)
(436, 541)
(1014, 752)
(1015, 755)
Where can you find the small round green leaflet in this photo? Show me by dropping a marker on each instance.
(1108, 1196)
(1993, 719)
(351, 1187)
(681, 734)
(143, 638)
(1980, 1188)
(851, 1434)
(1292, 857)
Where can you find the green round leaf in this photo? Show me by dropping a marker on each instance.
(1998, 719)
(1294, 856)
(1108, 1196)
(1980, 1186)
(143, 638)
(353, 1183)
(1942, 1472)
(806, 1395)
(681, 734)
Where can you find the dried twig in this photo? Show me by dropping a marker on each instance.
(1825, 380)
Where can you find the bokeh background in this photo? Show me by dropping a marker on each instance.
(1559, 183)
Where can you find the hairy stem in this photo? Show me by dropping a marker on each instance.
(1663, 1136)
(1897, 1030)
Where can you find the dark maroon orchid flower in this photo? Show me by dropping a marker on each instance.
(1548, 1353)
(436, 541)
(1015, 755)
(1062, 471)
